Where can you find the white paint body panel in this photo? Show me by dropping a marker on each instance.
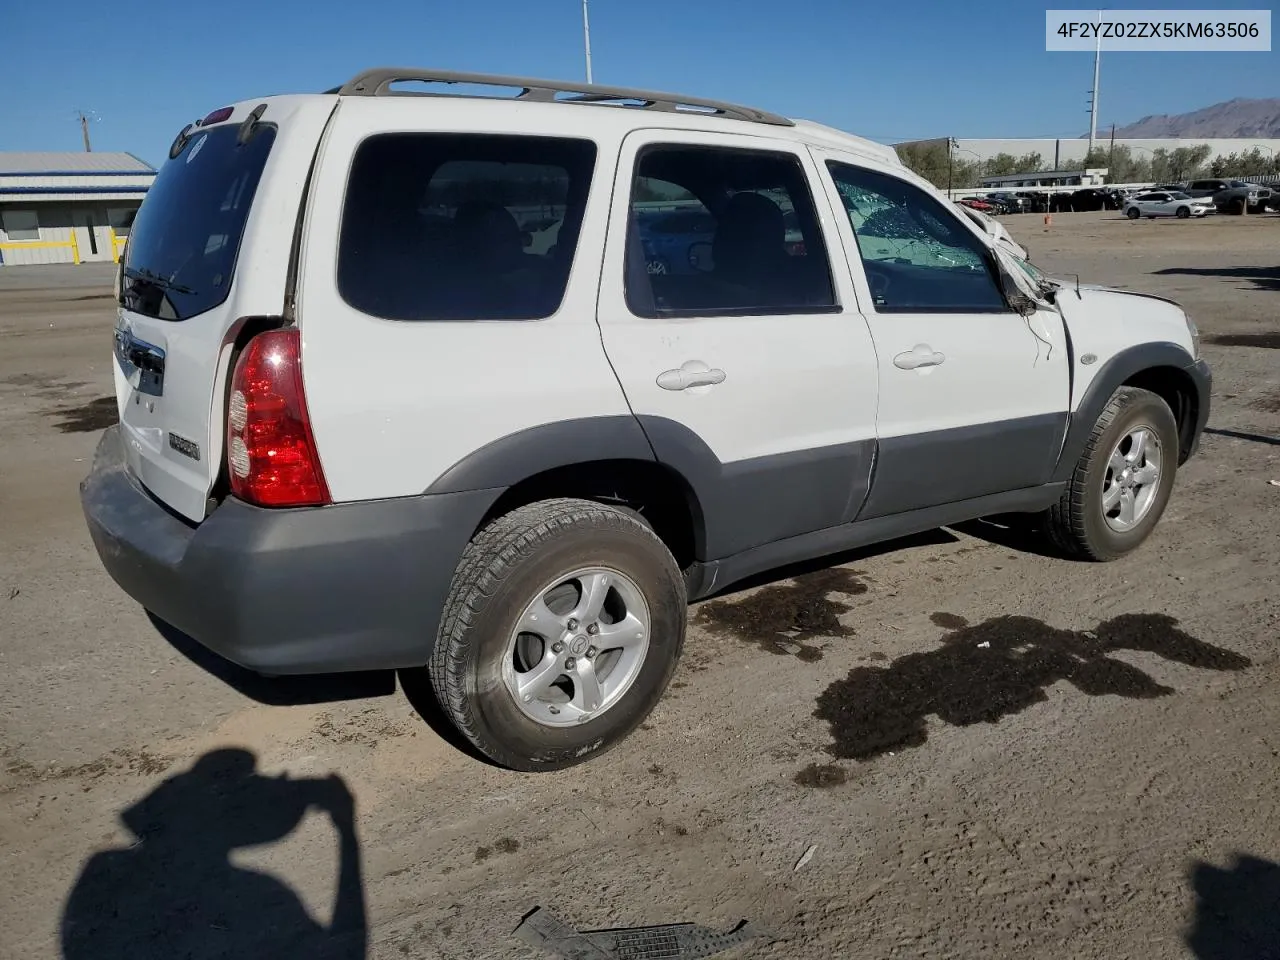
(998, 366)
(794, 382)
(395, 404)
(195, 356)
(1105, 322)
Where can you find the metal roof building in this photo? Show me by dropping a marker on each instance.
(68, 207)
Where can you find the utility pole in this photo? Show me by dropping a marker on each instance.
(84, 129)
(951, 152)
(1093, 99)
(1111, 159)
(586, 37)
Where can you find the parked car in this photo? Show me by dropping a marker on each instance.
(1159, 203)
(1088, 199)
(1232, 196)
(977, 203)
(1012, 202)
(347, 442)
(671, 239)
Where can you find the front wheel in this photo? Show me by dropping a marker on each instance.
(1183, 213)
(562, 630)
(1133, 213)
(1122, 481)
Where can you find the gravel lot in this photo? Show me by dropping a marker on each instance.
(1100, 781)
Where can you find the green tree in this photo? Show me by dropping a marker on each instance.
(930, 160)
(1252, 163)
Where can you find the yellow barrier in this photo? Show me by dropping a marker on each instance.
(117, 244)
(44, 245)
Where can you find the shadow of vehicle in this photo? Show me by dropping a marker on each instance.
(984, 672)
(1263, 278)
(1237, 910)
(278, 691)
(927, 539)
(175, 893)
(1238, 435)
(1016, 531)
(295, 691)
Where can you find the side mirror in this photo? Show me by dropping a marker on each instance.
(526, 239)
(1018, 288)
(700, 256)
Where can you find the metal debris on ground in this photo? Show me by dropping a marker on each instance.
(675, 941)
(1274, 483)
(808, 855)
(984, 645)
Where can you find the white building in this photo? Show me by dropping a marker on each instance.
(68, 207)
(1093, 176)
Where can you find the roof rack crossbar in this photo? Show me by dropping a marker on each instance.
(377, 83)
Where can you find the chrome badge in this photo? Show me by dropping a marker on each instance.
(188, 448)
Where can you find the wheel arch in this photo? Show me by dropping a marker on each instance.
(605, 459)
(1162, 368)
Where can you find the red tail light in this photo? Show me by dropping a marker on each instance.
(271, 453)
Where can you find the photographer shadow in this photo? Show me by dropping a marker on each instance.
(1237, 910)
(174, 891)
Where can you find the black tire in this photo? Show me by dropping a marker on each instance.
(501, 570)
(1183, 213)
(1076, 525)
(1132, 213)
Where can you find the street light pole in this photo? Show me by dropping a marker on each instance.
(586, 37)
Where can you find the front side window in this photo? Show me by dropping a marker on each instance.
(462, 226)
(917, 255)
(716, 231)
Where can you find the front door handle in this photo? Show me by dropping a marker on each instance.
(921, 355)
(694, 373)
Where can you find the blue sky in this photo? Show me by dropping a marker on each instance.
(889, 71)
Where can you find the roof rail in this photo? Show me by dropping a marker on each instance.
(377, 83)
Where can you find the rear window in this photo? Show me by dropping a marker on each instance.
(184, 241)
(462, 226)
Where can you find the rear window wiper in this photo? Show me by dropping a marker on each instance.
(157, 281)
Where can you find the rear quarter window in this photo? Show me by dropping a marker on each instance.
(184, 241)
(462, 226)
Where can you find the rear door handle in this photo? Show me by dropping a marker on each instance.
(921, 355)
(694, 373)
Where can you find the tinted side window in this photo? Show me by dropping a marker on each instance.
(716, 231)
(462, 226)
(918, 256)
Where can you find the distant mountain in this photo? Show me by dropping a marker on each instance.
(1234, 118)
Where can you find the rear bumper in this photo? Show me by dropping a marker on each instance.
(310, 590)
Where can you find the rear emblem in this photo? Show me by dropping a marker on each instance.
(188, 448)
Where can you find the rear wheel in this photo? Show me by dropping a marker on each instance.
(563, 626)
(1121, 482)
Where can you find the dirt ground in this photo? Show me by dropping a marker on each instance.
(994, 753)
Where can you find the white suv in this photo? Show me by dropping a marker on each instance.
(400, 386)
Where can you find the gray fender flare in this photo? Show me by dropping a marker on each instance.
(1118, 369)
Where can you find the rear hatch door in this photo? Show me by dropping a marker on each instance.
(210, 245)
